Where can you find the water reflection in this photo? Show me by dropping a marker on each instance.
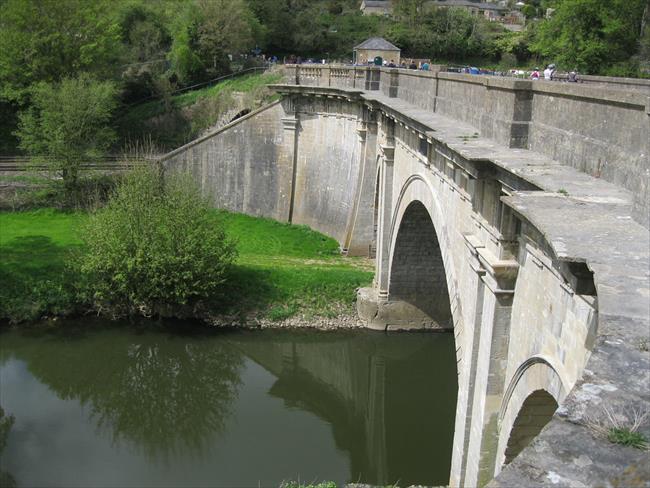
(387, 401)
(163, 394)
(6, 421)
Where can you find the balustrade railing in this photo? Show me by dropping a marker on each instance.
(345, 76)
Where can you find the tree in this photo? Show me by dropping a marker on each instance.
(146, 41)
(409, 11)
(68, 124)
(644, 42)
(156, 248)
(206, 33)
(592, 35)
(47, 40)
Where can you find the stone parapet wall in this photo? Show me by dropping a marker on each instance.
(602, 129)
(641, 85)
(604, 133)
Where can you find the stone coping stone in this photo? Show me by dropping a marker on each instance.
(590, 222)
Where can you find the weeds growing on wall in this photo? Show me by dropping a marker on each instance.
(621, 427)
(626, 437)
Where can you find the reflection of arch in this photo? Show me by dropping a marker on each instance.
(417, 274)
(417, 188)
(532, 396)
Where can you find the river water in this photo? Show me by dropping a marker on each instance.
(111, 407)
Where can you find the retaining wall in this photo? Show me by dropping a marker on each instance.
(281, 166)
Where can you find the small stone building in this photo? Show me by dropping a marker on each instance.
(376, 7)
(491, 11)
(376, 46)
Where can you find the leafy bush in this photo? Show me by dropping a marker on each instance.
(155, 248)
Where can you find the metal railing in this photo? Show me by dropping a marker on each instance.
(106, 163)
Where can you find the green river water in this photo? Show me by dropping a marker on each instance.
(116, 407)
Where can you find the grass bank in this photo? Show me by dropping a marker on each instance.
(282, 270)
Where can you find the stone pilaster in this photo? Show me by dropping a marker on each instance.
(467, 369)
(385, 215)
(360, 228)
(288, 159)
(489, 380)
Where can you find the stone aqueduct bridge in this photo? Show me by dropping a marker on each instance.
(513, 212)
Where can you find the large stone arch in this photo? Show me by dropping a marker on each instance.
(418, 189)
(417, 276)
(533, 394)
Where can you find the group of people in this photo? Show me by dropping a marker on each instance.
(550, 74)
(412, 65)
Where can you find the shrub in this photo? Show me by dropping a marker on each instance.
(156, 248)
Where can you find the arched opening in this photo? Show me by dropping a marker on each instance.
(246, 111)
(417, 275)
(535, 413)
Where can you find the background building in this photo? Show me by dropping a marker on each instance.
(376, 46)
(376, 7)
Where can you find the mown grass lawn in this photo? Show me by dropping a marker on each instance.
(281, 270)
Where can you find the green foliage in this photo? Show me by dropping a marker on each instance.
(442, 33)
(186, 115)
(281, 270)
(627, 437)
(68, 124)
(48, 40)
(590, 35)
(154, 248)
(510, 46)
(409, 11)
(206, 33)
(529, 11)
(145, 42)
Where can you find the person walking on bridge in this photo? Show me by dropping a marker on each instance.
(549, 72)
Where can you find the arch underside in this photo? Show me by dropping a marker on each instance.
(535, 413)
(533, 396)
(417, 277)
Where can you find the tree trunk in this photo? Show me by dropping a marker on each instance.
(71, 183)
